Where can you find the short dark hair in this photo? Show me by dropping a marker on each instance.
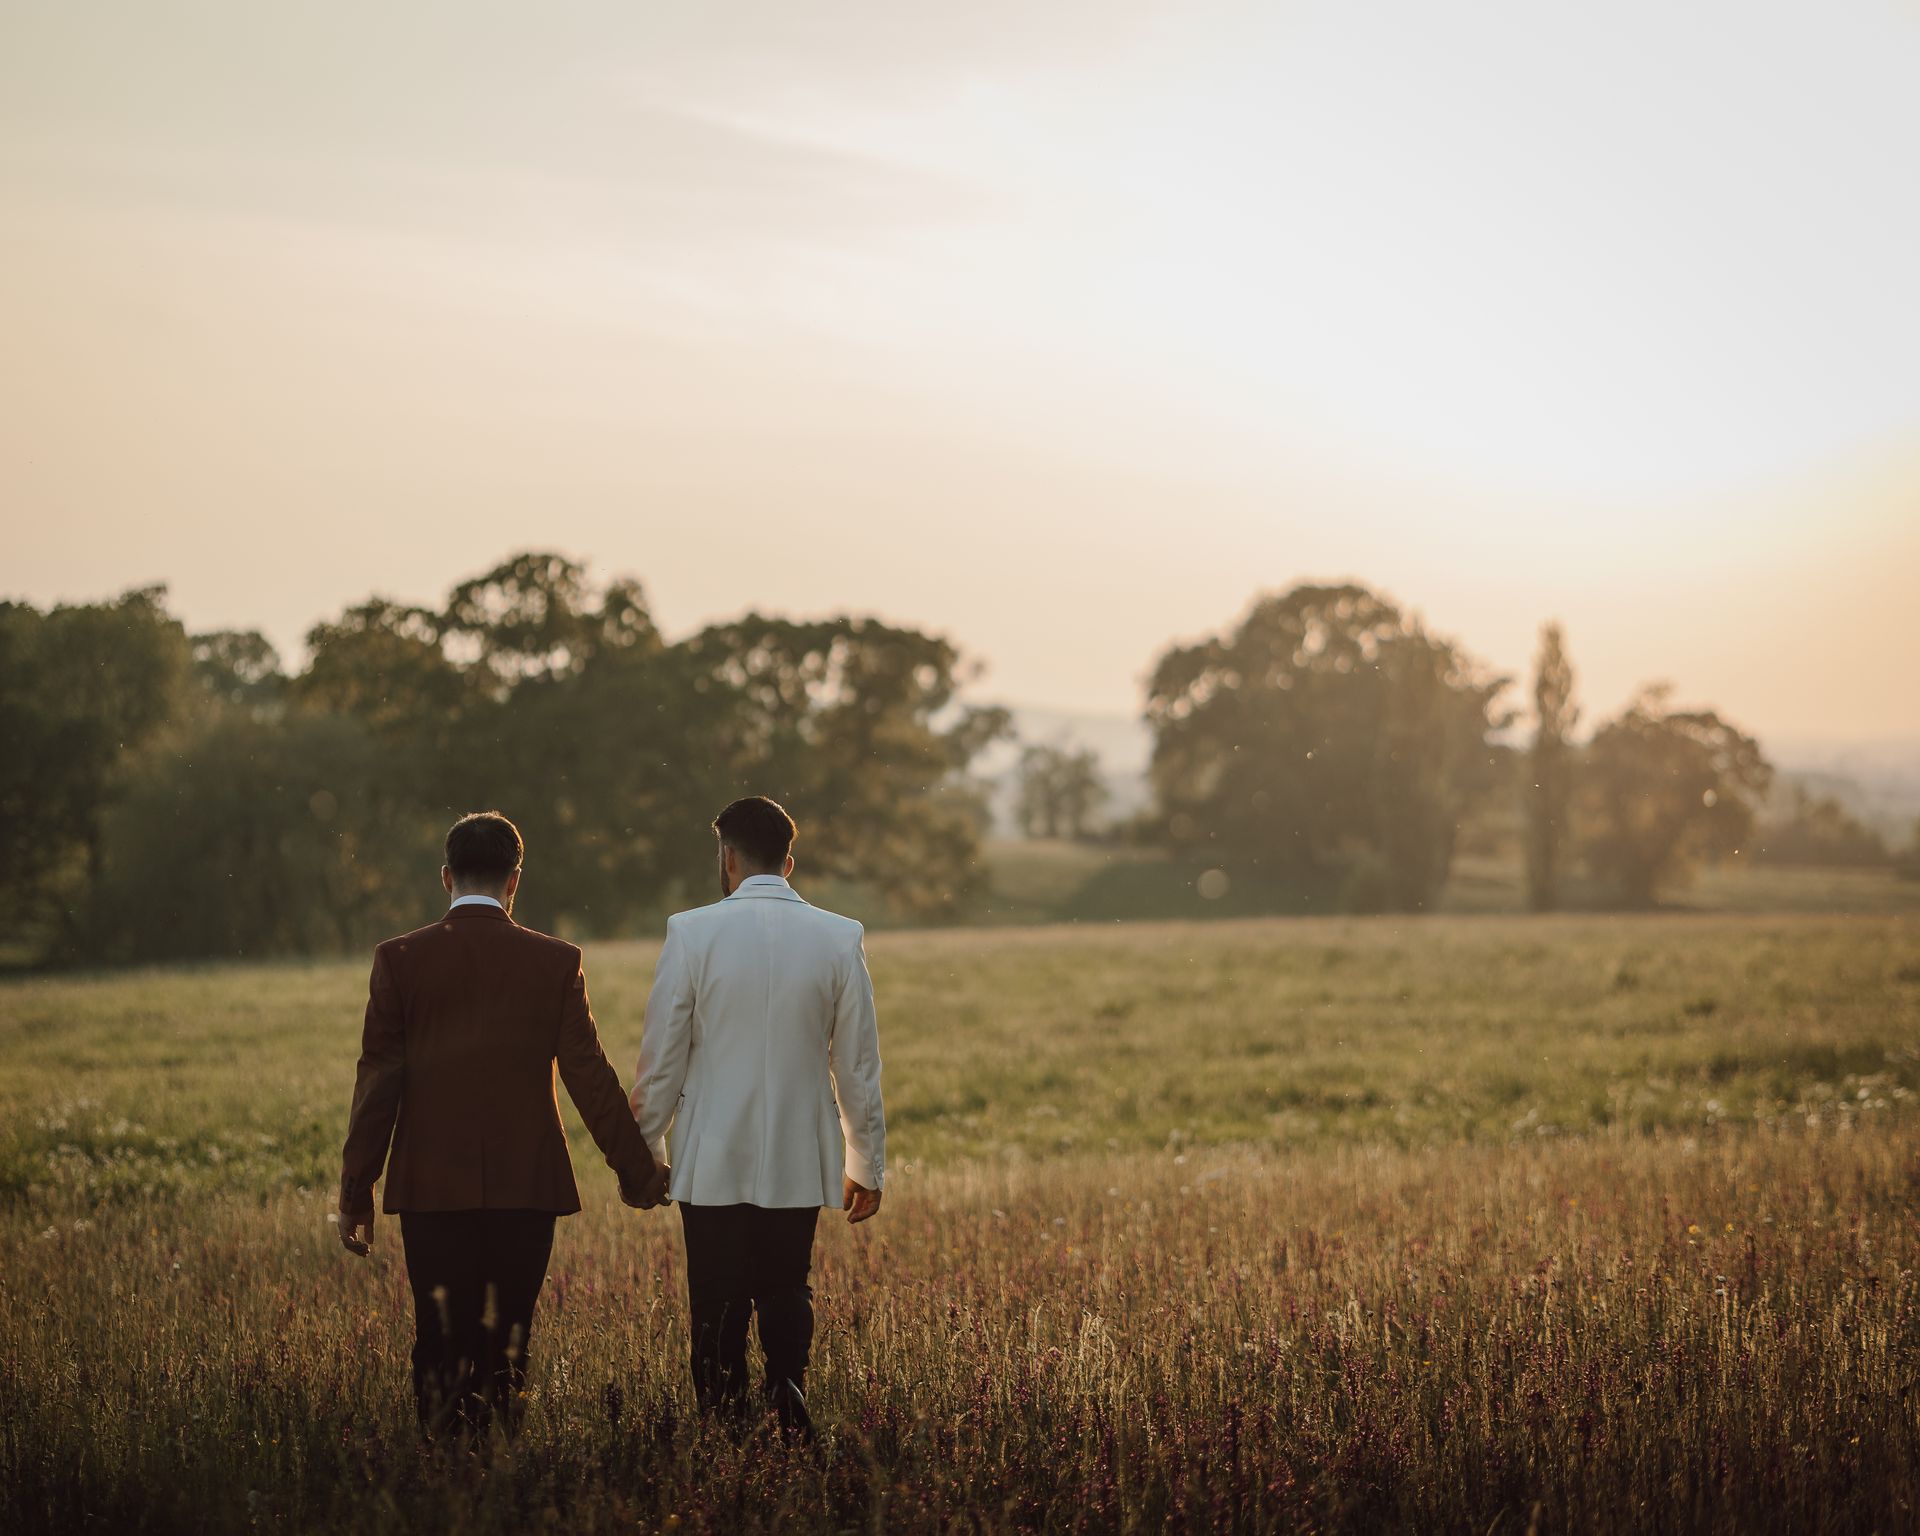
(758, 829)
(485, 847)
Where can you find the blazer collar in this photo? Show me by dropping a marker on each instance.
(479, 910)
(760, 887)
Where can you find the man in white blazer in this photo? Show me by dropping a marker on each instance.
(761, 1053)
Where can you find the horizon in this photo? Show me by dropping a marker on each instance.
(290, 642)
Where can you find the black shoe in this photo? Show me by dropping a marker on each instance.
(788, 1404)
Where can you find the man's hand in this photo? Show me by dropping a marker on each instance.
(356, 1230)
(651, 1192)
(859, 1202)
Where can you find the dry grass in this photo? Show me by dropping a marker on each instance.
(1709, 1324)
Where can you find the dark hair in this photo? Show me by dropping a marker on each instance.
(758, 829)
(485, 847)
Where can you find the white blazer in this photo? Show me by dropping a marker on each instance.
(762, 1053)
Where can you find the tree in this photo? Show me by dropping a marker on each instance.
(1818, 830)
(854, 725)
(82, 688)
(1662, 789)
(1907, 866)
(251, 835)
(238, 667)
(1550, 769)
(1326, 736)
(1059, 790)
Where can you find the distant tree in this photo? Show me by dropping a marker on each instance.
(1662, 789)
(166, 798)
(1059, 790)
(82, 689)
(1550, 768)
(1326, 735)
(854, 725)
(1817, 831)
(537, 617)
(386, 665)
(1908, 865)
(251, 835)
(238, 667)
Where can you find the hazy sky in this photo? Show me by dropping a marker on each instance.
(1062, 328)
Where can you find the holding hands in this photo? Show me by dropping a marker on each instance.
(356, 1227)
(650, 1192)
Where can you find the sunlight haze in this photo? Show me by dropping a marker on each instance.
(1062, 330)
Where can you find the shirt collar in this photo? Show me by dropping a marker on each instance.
(765, 885)
(475, 901)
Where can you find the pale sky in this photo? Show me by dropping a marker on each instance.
(1060, 328)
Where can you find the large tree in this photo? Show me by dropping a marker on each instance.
(1549, 769)
(82, 688)
(856, 726)
(1325, 734)
(1662, 789)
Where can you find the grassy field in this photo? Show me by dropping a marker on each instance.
(1463, 1223)
(1056, 881)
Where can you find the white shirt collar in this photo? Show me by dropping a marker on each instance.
(475, 901)
(765, 885)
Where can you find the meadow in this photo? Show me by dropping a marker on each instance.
(1459, 1223)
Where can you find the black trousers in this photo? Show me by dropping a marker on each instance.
(743, 1260)
(475, 1277)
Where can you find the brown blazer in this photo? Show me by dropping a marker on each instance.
(466, 1022)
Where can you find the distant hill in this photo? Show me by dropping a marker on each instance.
(1877, 781)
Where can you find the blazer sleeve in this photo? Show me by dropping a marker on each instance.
(666, 1042)
(377, 1082)
(594, 1086)
(853, 1064)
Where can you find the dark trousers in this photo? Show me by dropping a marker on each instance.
(743, 1260)
(475, 1277)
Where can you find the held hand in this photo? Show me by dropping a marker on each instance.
(356, 1230)
(651, 1192)
(859, 1202)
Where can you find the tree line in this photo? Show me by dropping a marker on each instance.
(167, 794)
(1332, 747)
(171, 794)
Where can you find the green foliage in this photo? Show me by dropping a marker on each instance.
(238, 668)
(242, 836)
(258, 813)
(1325, 727)
(1663, 789)
(81, 688)
(852, 724)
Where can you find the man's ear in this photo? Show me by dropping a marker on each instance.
(787, 870)
(446, 879)
(513, 884)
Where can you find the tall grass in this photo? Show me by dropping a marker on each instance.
(1621, 1333)
(1675, 1318)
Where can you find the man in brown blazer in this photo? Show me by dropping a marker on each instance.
(467, 1020)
